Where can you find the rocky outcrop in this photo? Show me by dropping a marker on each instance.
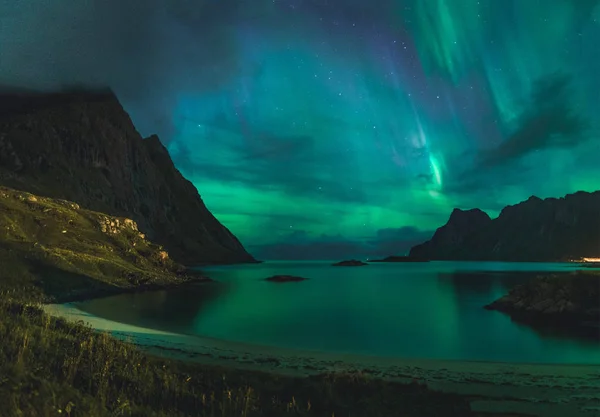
(352, 262)
(568, 299)
(82, 146)
(285, 278)
(554, 229)
(62, 252)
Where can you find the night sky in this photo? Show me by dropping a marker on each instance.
(335, 128)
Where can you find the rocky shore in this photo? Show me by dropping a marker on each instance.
(571, 300)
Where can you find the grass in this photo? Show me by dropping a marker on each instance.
(51, 250)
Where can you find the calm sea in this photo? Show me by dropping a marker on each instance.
(420, 310)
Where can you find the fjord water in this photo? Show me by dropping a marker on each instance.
(413, 310)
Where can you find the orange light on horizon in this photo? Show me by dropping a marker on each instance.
(591, 259)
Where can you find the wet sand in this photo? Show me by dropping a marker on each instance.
(501, 389)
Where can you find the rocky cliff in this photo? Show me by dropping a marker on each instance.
(554, 229)
(82, 146)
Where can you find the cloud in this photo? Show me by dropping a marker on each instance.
(146, 50)
(300, 245)
(263, 160)
(550, 121)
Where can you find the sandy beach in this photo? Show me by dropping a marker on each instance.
(500, 389)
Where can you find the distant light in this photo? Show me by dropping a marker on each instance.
(591, 259)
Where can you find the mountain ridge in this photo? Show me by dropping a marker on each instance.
(81, 145)
(550, 229)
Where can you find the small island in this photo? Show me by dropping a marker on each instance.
(352, 262)
(285, 278)
(400, 259)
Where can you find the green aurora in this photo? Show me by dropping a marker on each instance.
(326, 129)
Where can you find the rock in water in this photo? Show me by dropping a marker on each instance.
(352, 262)
(554, 229)
(284, 278)
(82, 146)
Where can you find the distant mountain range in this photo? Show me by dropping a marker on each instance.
(82, 146)
(553, 229)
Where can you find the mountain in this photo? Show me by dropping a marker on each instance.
(554, 229)
(81, 145)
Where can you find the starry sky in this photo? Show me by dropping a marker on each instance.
(326, 129)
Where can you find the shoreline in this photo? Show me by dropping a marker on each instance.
(544, 390)
(189, 278)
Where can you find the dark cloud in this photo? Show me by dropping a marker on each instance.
(147, 51)
(295, 180)
(268, 161)
(484, 182)
(550, 121)
(299, 245)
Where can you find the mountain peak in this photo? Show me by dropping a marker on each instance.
(466, 214)
(553, 229)
(79, 144)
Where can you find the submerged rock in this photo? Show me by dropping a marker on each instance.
(352, 262)
(285, 278)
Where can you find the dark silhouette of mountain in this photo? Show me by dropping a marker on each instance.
(554, 229)
(81, 145)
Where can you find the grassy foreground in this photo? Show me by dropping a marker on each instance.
(51, 250)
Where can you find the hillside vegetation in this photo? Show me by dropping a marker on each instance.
(60, 252)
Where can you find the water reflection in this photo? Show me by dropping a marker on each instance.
(432, 310)
(468, 283)
(474, 286)
(170, 310)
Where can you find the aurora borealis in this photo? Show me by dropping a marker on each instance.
(336, 128)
